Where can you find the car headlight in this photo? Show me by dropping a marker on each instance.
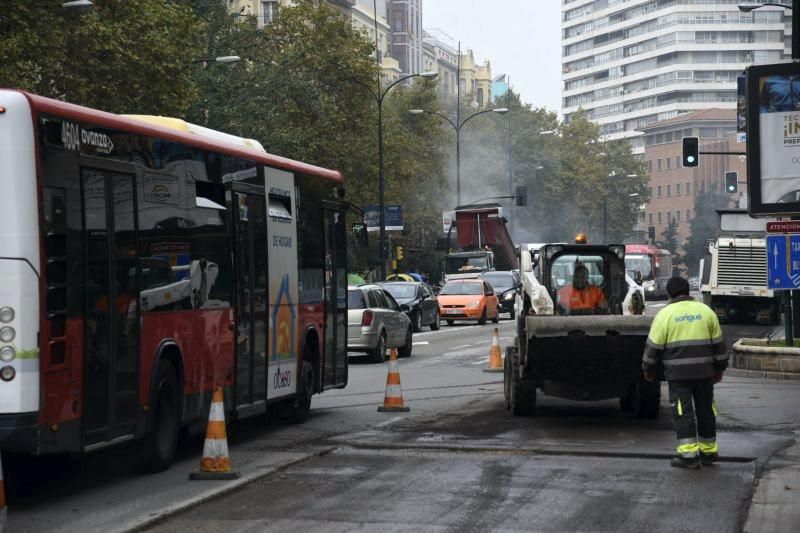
(7, 334)
(508, 296)
(6, 315)
(7, 353)
(473, 305)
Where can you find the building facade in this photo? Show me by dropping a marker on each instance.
(674, 188)
(634, 63)
(405, 19)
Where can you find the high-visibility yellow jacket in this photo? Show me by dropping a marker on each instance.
(686, 336)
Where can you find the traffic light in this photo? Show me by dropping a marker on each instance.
(651, 232)
(398, 252)
(521, 194)
(731, 183)
(691, 151)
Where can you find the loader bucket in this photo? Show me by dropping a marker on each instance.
(592, 353)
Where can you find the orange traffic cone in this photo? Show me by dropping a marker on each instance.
(216, 463)
(3, 517)
(393, 400)
(495, 357)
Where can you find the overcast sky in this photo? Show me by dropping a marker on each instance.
(521, 38)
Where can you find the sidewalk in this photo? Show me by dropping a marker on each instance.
(775, 506)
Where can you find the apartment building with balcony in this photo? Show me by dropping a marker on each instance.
(634, 63)
(674, 188)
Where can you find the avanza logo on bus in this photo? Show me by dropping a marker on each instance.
(73, 136)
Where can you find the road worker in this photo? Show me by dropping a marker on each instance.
(580, 296)
(686, 337)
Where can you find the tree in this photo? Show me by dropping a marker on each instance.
(670, 239)
(122, 57)
(704, 226)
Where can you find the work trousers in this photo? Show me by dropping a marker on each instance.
(694, 416)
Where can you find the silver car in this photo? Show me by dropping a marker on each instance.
(376, 322)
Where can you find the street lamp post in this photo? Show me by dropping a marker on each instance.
(379, 96)
(457, 126)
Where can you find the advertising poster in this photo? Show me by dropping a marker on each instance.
(773, 97)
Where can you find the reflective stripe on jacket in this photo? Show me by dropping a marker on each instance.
(686, 336)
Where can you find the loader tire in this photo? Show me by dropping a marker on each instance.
(646, 399)
(522, 392)
(507, 376)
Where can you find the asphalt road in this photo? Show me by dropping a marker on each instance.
(458, 461)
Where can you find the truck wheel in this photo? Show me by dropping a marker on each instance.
(482, 319)
(646, 399)
(162, 441)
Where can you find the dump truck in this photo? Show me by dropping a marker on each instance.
(579, 354)
(481, 242)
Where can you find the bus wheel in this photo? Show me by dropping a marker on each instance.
(162, 441)
(301, 405)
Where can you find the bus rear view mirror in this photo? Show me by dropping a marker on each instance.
(360, 235)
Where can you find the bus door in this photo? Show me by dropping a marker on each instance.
(111, 302)
(335, 356)
(250, 258)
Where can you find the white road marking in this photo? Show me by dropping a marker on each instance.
(390, 421)
(656, 305)
(420, 343)
(462, 346)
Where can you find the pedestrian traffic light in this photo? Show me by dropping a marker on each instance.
(691, 151)
(398, 252)
(731, 182)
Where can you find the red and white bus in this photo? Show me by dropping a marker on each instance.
(653, 264)
(143, 263)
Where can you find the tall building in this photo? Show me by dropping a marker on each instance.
(633, 63)
(441, 55)
(405, 19)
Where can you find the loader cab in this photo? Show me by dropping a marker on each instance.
(584, 279)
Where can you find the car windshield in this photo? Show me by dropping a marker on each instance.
(466, 264)
(472, 289)
(355, 299)
(499, 281)
(639, 263)
(401, 291)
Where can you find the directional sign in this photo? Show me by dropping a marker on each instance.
(784, 226)
(783, 262)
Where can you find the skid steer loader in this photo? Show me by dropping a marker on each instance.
(579, 352)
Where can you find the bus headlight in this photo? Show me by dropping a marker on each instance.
(6, 315)
(7, 373)
(7, 354)
(7, 334)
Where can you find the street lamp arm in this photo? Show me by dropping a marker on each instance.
(428, 75)
(417, 111)
(747, 8)
(464, 122)
(364, 85)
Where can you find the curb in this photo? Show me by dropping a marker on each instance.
(760, 374)
(770, 362)
(212, 493)
(738, 346)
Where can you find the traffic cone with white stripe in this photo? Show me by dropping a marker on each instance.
(216, 463)
(495, 357)
(3, 516)
(393, 400)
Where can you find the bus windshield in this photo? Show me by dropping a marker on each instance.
(640, 263)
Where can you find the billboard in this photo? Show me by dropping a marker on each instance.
(392, 217)
(773, 134)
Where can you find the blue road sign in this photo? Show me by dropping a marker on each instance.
(783, 262)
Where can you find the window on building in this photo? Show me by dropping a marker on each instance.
(659, 217)
(658, 189)
(480, 98)
(677, 216)
(669, 217)
(650, 218)
(688, 188)
(687, 215)
(269, 11)
(678, 189)
(669, 190)
(708, 133)
(650, 165)
(658, 164)
(677, 161)
(669, 163)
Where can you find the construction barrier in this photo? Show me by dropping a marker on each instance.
(495, 356)
(393, 399)
(216, 462)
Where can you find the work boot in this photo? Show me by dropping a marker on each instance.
(682, 462)
(708, 459)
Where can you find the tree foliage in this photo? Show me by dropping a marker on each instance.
(704, 226)
(670, 239)
(123, 57)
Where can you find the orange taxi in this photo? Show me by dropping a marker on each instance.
(468, 299)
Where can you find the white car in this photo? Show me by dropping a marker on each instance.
(376, 322)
